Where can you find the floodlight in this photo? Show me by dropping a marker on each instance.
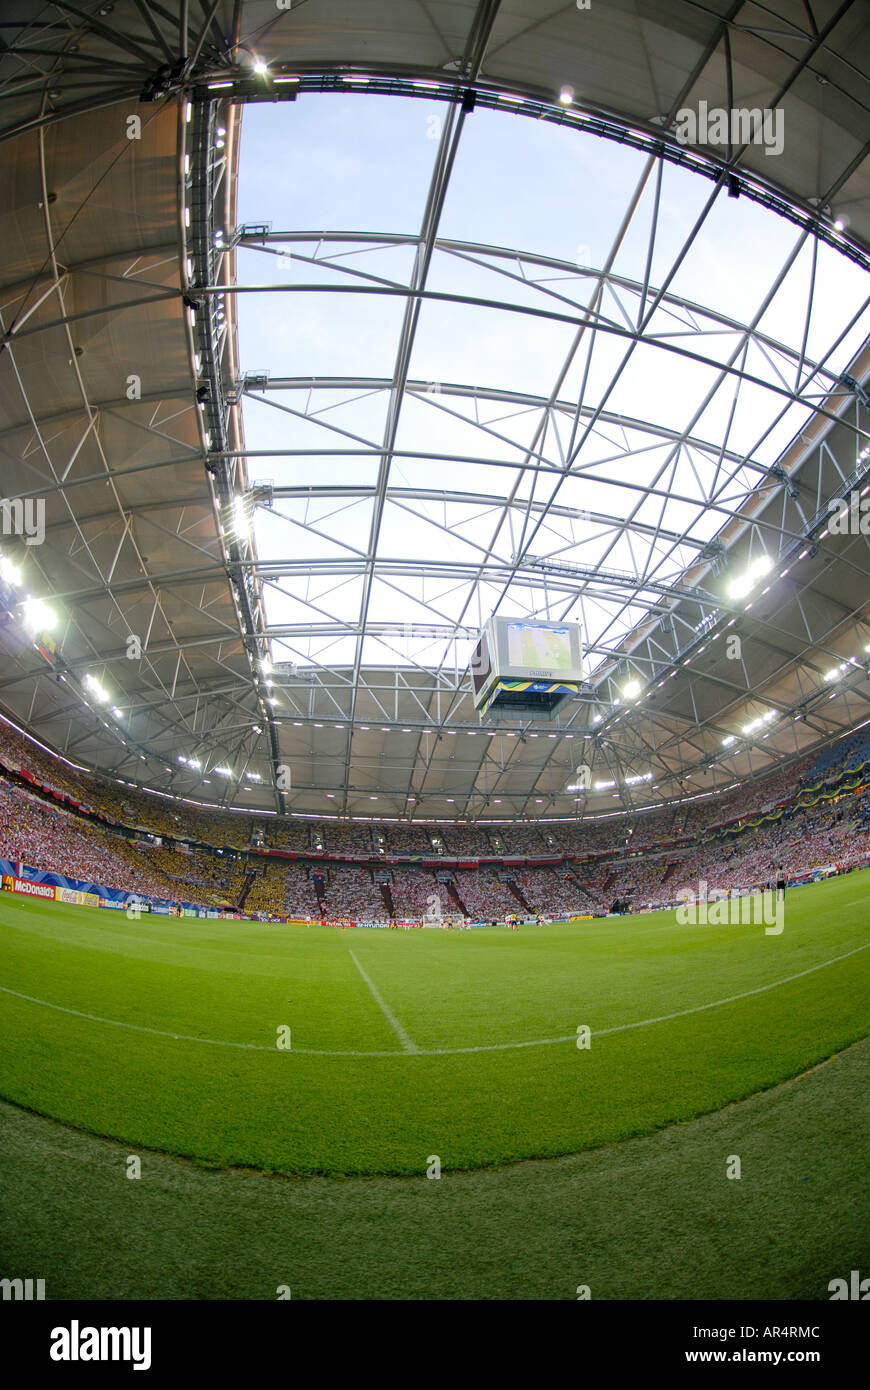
(38, 617)
(744, 583)
(94, 685)
(11, 573)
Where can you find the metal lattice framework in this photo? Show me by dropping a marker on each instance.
(195, 508)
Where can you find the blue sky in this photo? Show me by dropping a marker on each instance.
(363, 163)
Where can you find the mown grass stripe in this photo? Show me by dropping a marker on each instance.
(412, 1049)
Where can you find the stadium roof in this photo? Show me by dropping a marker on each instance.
(669, 397)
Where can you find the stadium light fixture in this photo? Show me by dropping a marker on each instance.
(631, 690)
(726, 742)
(760, 721)
(97, 690)
(835, 672)
(566, 96)
(11, 573)
(602, 786)
(241, 521)
(38, 617)
(261, 68)
(746, 582)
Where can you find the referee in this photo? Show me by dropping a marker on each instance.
(780, 880)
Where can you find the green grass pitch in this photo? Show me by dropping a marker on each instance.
(628, 1141)
(163, 1033)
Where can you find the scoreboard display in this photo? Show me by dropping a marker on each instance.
(526, 666)
(539, 647)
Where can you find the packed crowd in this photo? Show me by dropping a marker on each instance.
(36, 833)
(412, 891)
(552, 893)
(216, 878)
(812, 840)
(483, 895)
(300, 895)
(848, 752)
(225, 868)
(351, 892)
(267, 891)
(160, 815)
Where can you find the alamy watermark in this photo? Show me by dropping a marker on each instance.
(857, 1289)
(742, 125)
(849, 516)
(434, 911)
(23, 516)
(25, 1290)
(77, 1343)
(721, 909)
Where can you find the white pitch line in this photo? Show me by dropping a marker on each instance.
(432, 1051)
(408, 1044)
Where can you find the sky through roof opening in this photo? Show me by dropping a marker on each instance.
(607, 359)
